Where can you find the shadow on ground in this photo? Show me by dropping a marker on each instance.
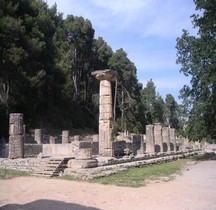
(47, 204)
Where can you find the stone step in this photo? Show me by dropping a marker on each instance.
(52, 167)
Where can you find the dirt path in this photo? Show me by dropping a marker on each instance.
(194, 190)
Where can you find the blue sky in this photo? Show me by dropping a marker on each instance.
(145, 29)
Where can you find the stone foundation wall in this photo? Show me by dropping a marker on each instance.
(95, 147)
(26, 164)
(58, 149)
(30, 150)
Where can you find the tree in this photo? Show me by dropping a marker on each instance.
(29, 80)
(153, 103)
(197, 57)
(128, 92)
(171, 112)
(102, 54)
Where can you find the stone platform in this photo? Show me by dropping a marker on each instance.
(110, 165)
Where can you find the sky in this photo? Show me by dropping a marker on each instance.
(146, 30)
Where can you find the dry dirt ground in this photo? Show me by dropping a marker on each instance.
(194, 190)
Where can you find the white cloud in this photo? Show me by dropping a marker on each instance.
(146, 17)
(121, 6)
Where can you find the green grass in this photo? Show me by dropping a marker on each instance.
(11, 173)
(138, 177)
(68, 177)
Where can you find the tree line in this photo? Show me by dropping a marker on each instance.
(197, 56)
(45, 72)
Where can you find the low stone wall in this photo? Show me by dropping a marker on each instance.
(58, 149)
(30, 150)
(95, 147)
(25, 164)
(209, 148)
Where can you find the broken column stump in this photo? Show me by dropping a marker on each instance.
(150, 141)
(172, 139)
(38, 136)
(158, 137)
(166, 139)
(65, 137)
(16, 138)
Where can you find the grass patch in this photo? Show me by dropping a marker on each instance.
(11, 173)
(68, 177)
(137, 177)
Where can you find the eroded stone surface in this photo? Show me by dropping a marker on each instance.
(16, 139)
(150, 141)
(105, 111)
(38, 136)
(65, 137)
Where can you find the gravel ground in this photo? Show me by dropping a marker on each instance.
(195, 189)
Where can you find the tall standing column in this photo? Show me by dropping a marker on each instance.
(150, 141)
(105, 111)
(158, 137)
(16, 138)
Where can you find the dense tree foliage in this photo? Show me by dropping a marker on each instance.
(45, 72)
(197, 57)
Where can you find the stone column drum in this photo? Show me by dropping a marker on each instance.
(52, 140)
(166, 138)
(150, 141)
(65, 137)
(158, 136)
(173, 138)
(105, 111)
(38, 136)
(16, 138)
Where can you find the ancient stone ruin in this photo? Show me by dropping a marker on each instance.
(93, 155)
(16, 139)
(105, 111)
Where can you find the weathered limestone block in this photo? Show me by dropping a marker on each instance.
(172, 139)
(75, 164)
(158, 137)
(75, 146)
(83, 154)
(76, 138)
(166, 139)
(16, 146)
(96, 137)
(16, 139)
(38, 136)
(16, 124)
(65, 137)
(150, 141)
